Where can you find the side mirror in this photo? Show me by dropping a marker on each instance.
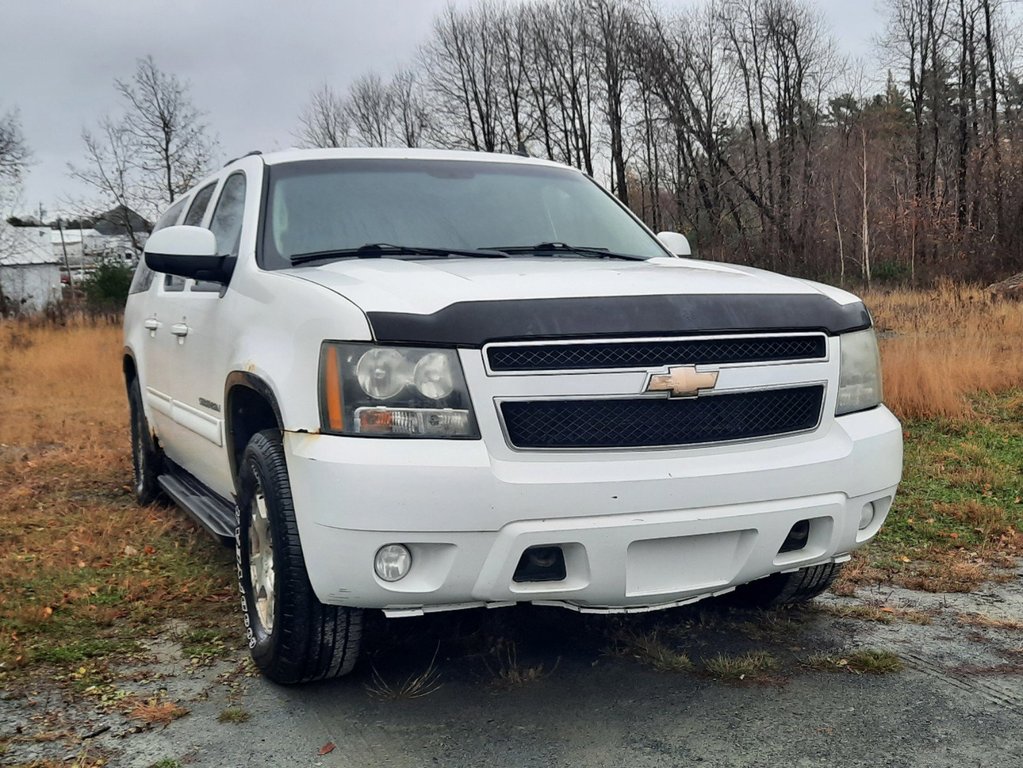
(188, 252)
(676, 243)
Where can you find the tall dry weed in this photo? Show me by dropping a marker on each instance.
(940, 346)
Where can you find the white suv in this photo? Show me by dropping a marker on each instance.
(421, 381)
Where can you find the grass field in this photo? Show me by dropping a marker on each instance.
(85, 573)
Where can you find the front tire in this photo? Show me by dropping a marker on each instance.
(781, 589)
(293, 637)
(146, 458)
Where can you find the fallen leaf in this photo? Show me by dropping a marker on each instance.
(130, 551)
(149, 549)
(327, 748)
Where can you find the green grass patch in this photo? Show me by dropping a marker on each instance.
(962, 486)
(651, 649)
(752, 665)
(77, 651)
(870, 661)
(234, 715)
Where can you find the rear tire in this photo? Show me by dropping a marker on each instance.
(781, 589)
(293, 637)
(146, 458)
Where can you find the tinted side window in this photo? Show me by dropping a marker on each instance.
(170, 216)
(143, 277)
(227, 218)
(202, 199)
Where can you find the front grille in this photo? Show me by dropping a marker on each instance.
(655, 422)
(655, 354)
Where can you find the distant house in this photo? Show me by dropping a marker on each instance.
(87, 241)
(116, 221)
(29, 269)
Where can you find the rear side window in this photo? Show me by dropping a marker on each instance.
(199, 203)
(143, 277)
(170, 216)
(227, 218)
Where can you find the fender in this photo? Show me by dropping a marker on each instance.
(246, 380)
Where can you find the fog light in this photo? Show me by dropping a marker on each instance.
(797, 538)
(867, 515)
(392, 562)
(540, 564)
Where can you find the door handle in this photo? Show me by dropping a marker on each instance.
(179, 329)
(151, 324)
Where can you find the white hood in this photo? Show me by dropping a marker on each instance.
(425, 286)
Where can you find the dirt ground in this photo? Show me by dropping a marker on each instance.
(530, 686)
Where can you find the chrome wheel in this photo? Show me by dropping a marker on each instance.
(261, 560)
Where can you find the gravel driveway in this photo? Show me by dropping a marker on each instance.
(546, 687)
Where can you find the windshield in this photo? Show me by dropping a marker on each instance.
(332, 205)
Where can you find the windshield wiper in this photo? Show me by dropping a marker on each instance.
(384, 250)
(564, 249)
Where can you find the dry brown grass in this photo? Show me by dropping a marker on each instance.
(155, 711)
(948, 572)
(942, 345)
(82, 569)
(989, 622)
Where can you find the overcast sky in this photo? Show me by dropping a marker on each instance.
(251, 63)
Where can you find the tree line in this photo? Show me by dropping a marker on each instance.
(736, 122)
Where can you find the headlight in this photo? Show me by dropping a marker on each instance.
(393, 392)
(859, 382)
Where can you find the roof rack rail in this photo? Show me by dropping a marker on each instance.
(247, 154)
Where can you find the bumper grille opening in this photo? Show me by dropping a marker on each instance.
(540, 564)
(661, 422)
(797, 538)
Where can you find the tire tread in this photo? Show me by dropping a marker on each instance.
(313, 641)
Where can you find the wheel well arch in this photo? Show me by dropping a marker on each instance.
(250, 406)
(128, 367)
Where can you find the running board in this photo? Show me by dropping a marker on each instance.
(212, 512)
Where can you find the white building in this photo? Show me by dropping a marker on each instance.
(86, 247)
(29, 269)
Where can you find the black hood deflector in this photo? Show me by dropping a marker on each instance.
(475, 323)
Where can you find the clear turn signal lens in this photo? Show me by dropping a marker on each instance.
(419, 422)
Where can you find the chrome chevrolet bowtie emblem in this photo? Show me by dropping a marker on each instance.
(682, 381)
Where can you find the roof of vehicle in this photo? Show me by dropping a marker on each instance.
(362, 153)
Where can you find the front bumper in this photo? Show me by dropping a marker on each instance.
(638, 530)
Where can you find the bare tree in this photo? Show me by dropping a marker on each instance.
(410, 111)
(167, 130)
(462, 77)
(14, 159)
(371, 109)
(14, 152)
(324, 121)
(157, 149)
(614, 23)
(112, 169)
